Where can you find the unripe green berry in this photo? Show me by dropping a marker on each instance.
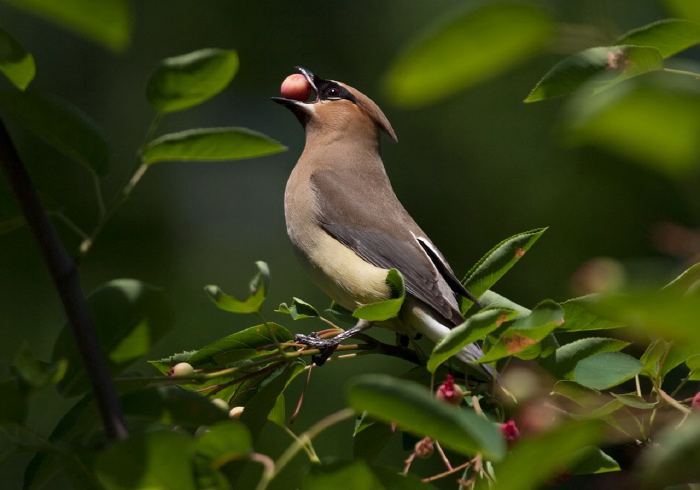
(183, 369)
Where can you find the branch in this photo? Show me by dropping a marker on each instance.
(65, 277)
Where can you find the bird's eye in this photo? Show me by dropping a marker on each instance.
(333, 93)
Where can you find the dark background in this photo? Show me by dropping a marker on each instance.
(472, 170)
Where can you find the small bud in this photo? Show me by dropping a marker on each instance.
(424, 448)
(183, 369)
(449, 391)
(235, 412)
(695, 404)
(510, 431)
(222, 404)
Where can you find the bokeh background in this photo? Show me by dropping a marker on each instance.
(473, 170)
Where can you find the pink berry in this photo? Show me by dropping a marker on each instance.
(296, 87)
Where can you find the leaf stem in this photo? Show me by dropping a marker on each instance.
(682, 72)
(303, 439)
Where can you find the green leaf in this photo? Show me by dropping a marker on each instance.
(15, 62)
(38, 374)
(298, 310)
(495, 300)
(469, 46)
(62, 126)
(173, 406)
(224, 442)
(578, 316)
(151, 460)
(259, 286)
(675, 458)
(652, 120)
(635, 401)
(681, 284)
(663, 313)
(210, 144)
(190, 79)
(278, 413)
(669, 36)
(384, 310)
(107, 22)
(359, 475)
(683, 8)
(492, 266)
(606, 369)
(591, 460)
(246, 344)
(474, 328)
(533, 462)
(565, 358)
(257, 410)
(341, 314)
(129, 317)
(416, 410)
(693, 364)
(604, 66)
(526, 331)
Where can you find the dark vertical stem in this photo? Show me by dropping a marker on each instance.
(64, 273)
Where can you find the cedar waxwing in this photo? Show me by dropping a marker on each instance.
(347, 226)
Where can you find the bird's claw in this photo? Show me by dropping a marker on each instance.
(325, 346)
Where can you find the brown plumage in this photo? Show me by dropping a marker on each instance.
(347, 226)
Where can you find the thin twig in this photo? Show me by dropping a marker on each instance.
(64, 273)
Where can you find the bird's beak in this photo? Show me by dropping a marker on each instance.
(295, 105)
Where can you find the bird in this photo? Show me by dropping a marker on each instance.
(348, 227)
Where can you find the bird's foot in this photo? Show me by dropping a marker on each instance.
(328, 346)
(325, 346)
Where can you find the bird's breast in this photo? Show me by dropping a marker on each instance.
(336, 269)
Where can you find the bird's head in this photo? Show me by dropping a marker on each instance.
(330, 106)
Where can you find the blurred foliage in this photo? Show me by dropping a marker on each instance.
(611, 166)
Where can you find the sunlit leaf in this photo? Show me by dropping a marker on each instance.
(603, 66)
(416, 410)
(565, 358)
(107, 22)
(492, 266)
(190, 79)
(150, 460)
(474, 328)
(299, 309)
(259, 287)
(129, 317)
(669, 36)
(15, 62)
(384, 310)
(533, 461)
(579, 317)
(61, 125)
(526, 331)
(468, 46)
(652, 120)
(246, 344)
(606, 369)
(210, 144)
